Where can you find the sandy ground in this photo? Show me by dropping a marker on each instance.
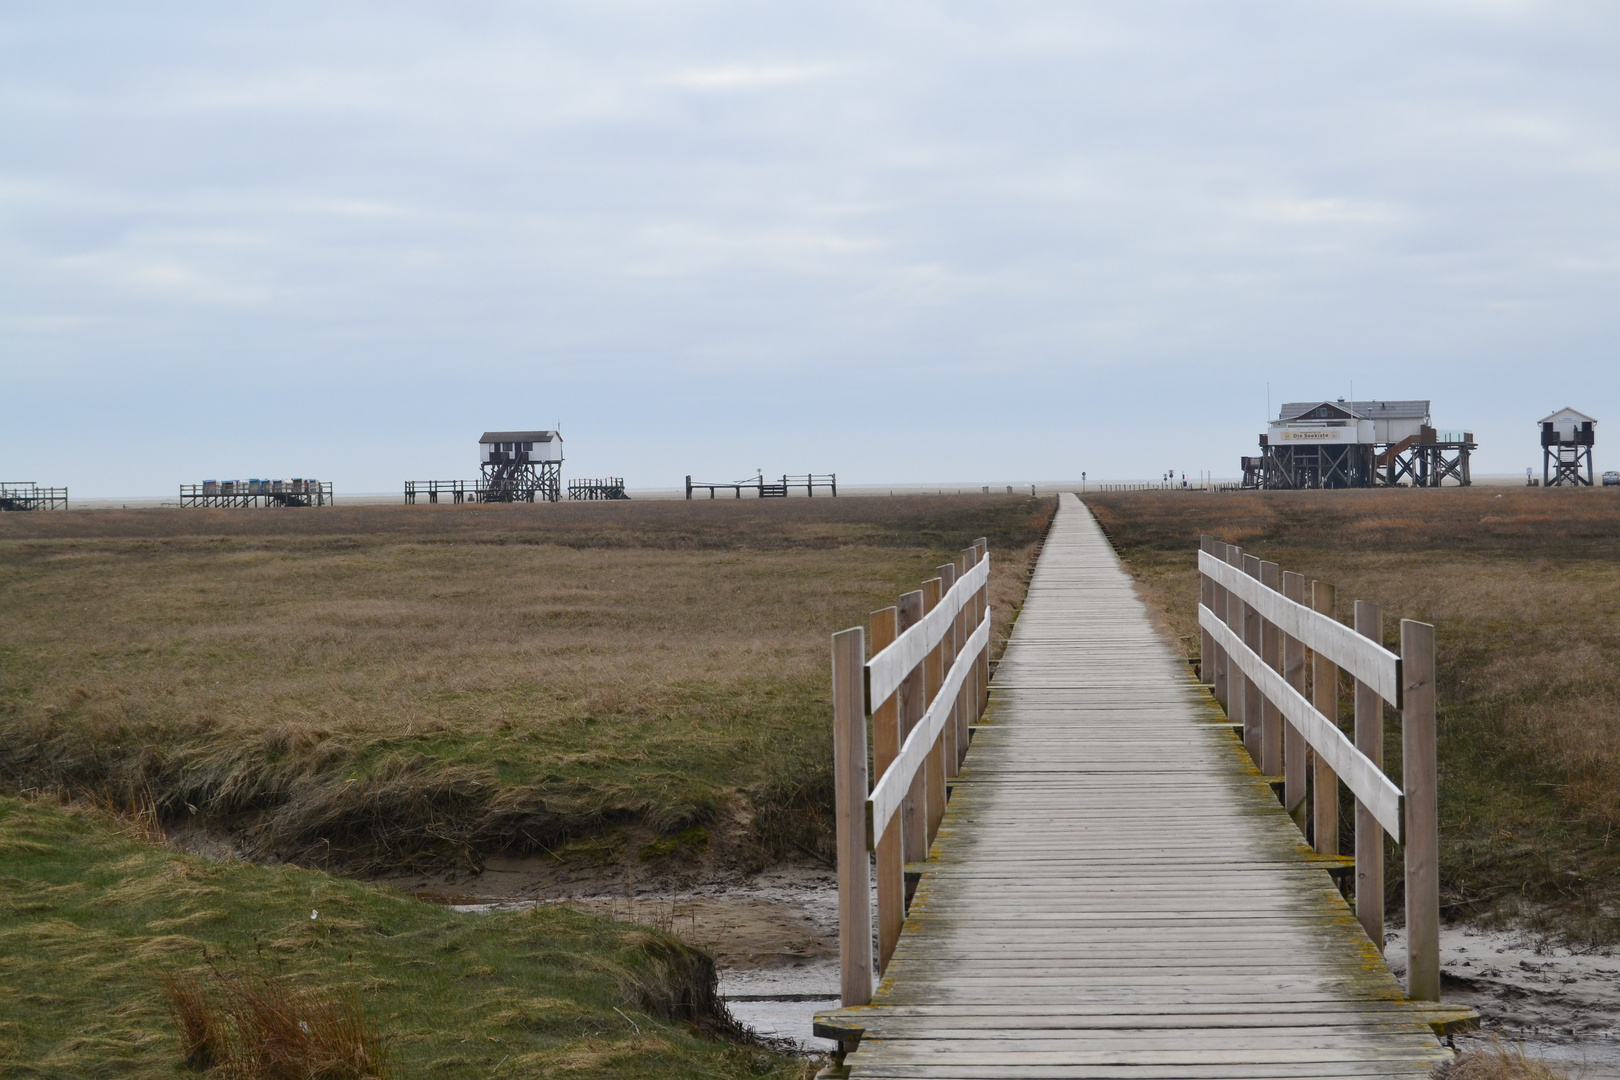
(1562, 1006)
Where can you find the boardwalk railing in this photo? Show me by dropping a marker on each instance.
(1257, 625)
(926, 681)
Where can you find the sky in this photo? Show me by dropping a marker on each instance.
(904, 242)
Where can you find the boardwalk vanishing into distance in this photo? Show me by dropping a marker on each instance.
(1115, 890)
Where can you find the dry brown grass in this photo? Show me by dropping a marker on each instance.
(197, 1020)
(1497, 1060)
(255, 1027)
(1523, 586)
(384, 684)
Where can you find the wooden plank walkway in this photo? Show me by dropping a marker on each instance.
(1115, 890)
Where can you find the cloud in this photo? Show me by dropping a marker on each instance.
(648, 220)
(748, 76)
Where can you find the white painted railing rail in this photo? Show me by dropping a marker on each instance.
(1362, 657)
(925, 683)
(891, 787)
(889, 668)
(1255, 633)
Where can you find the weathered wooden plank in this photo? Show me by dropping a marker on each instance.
(913, 707)
(1295, 746)
(890, 862)
(1422, 853)
(1325, 698)
(854, 881)
(1271, 650)
(1369, 733)
(934, 670)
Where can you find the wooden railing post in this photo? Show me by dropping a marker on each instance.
(1422, 824)
(850, 791)
(964, 693)
(1206, 641)
(1294, 744)
(1271, 722)
(933, 679)
(1325, 698)
(972, 695)
(891, 861)
(947, 655)
(983, 544)
(1251, 689)
(1370, 834)
(1237, 694)
(1222, 678)
(913, 703)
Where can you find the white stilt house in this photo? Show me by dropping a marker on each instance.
(1566, 444)
(520, 466)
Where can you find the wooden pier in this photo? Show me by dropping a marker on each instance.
(1115, 889)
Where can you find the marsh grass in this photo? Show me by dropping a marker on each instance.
(126, 958)
(1523, 587)
(380, 687)
(253, 1026)
(199, 1022)
(1497, 1060)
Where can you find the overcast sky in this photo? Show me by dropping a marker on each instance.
(904, 242)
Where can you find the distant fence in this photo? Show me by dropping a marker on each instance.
(810, 481)
(766, 489)
(249, 493)
(1257, 627)
(607, 487)
(926, 682)
(27, 495)
(454, 490)
(1175, 485)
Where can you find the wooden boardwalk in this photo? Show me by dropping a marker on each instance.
(1115, 890)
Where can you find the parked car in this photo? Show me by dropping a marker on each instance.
(1611, 479)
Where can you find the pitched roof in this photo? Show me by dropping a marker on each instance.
(1366, 410)
(1295, 410)
(1578, 417)
(519, 436)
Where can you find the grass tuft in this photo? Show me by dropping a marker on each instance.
(674, 982)
(254, 1027)
(198, 1021)
(284, 1032)
(1497, 1060)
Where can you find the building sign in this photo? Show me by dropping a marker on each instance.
(1312, 435)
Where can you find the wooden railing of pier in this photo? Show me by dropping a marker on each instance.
(925, 683)
(1258, 626)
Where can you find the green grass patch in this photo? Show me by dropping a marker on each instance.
(93, 920)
